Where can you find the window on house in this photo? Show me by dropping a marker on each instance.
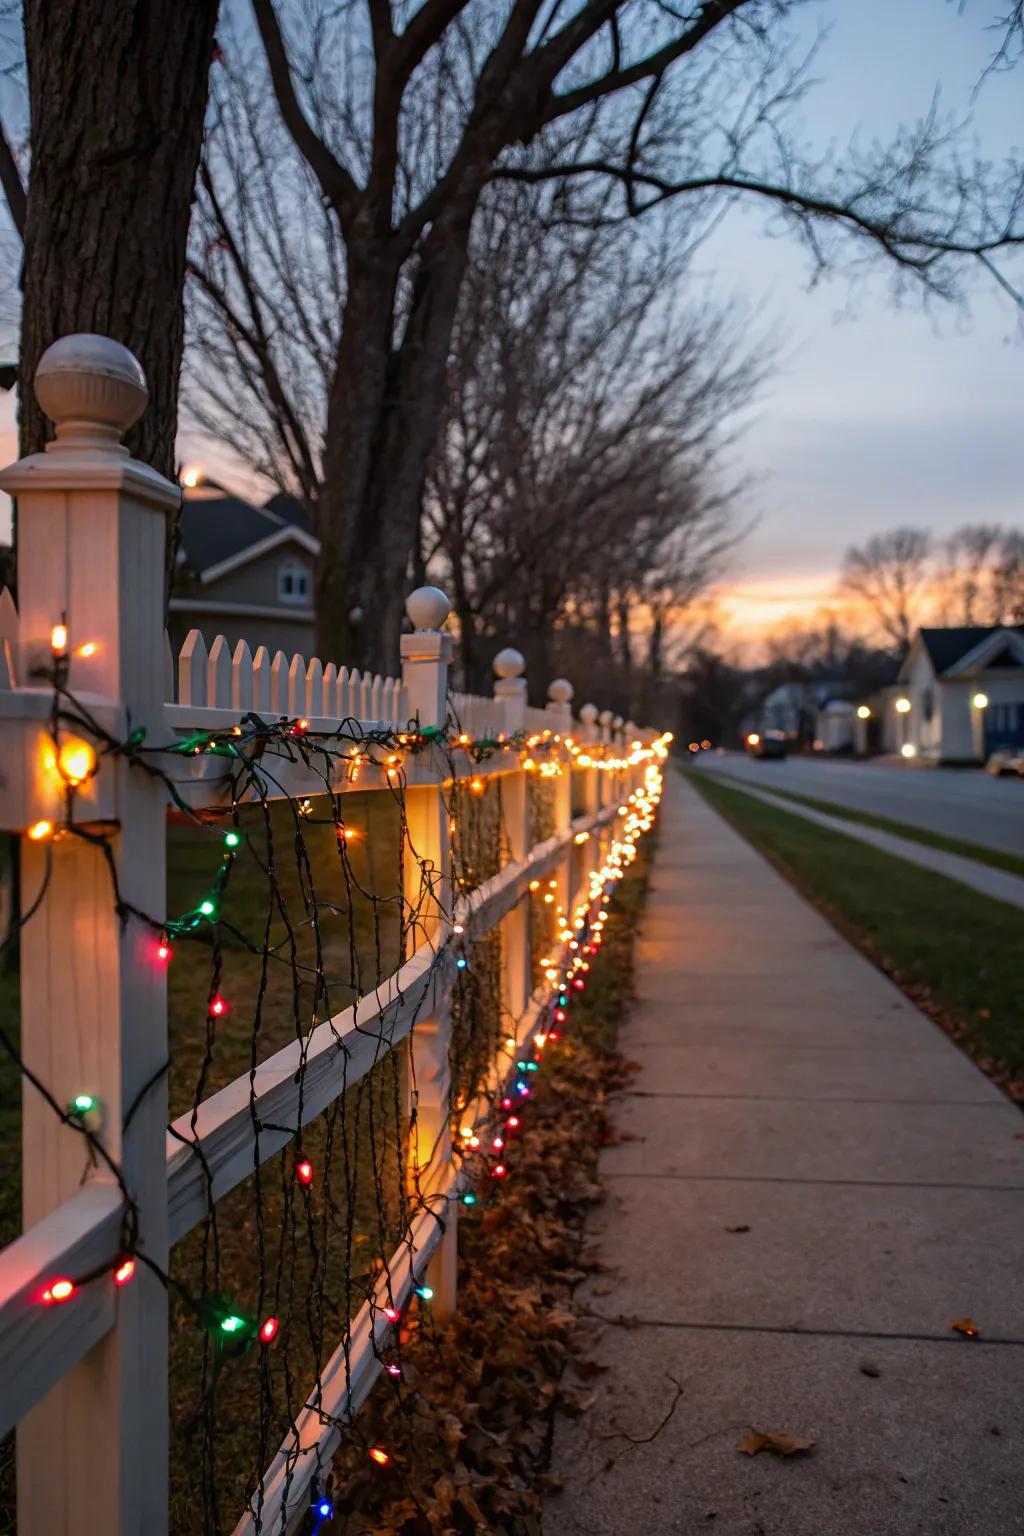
(928, 703)
(293, 582)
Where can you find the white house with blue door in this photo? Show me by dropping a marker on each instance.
(959, 695)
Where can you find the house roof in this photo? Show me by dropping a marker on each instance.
(283, 505)
(218, 527)
(946, 647)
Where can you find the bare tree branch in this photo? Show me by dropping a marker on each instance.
(337, 183)
(13, 186)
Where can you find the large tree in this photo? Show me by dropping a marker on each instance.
(980, 575)
(575, 480)
(117, 93)
(891, 574)
(403, 116)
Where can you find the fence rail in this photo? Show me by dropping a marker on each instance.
(94, 1009)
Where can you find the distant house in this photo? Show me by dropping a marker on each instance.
(834, 726)
(788, 708)
(807, 712)
(244, 571)
(959, 695)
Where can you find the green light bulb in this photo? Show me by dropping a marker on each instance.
(82, 1103)
(232, 1324)
(231, 839)
(207, 908)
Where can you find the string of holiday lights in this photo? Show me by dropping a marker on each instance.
(324, 1231)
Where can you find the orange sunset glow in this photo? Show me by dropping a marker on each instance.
(750, 607)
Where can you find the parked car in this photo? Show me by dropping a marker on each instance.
(1006, 764)
(766, 743)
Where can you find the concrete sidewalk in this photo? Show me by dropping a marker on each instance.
(812, 1183)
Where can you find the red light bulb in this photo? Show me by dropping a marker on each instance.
(498, 1171)
(268, 1332)
(506, 1103)
(392, 1314)
(164, 953)
(304, 1171)
(59, 1290)
(512, 1122)
(124, 1272)
(218, 1007)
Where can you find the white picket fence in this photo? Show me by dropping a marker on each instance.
(86, 1381)
(279, 685)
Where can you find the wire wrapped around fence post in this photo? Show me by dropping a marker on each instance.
(510, 693)
(91, 529)
(427, 872)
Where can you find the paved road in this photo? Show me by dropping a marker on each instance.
(811, 1183)
(958, 802)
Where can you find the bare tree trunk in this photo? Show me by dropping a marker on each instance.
(117, 92)
(385, 412)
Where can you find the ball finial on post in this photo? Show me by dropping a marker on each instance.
(588, 714)
(560, 691)
(427, 607)
(92, 389)
(509, 663)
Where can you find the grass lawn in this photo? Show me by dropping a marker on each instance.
(956, 952)
(1012, 863)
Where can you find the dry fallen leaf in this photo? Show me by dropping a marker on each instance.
(782, 1441)
(965, 1325)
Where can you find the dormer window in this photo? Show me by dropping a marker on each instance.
(293, 582)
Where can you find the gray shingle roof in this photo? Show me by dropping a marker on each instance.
(947, 646)
(216, 525)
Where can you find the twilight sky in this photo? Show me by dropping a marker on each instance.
(875, 416)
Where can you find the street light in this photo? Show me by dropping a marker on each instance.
(903, 706)
(980, 701)
(863, 713)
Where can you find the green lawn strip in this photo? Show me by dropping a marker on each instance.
(954, 950)
(1012, 863)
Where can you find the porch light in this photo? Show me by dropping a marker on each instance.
(863, 713)
(903, 706)
(980, 701)
(908, 749)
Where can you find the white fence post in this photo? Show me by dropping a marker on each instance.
(428, 894)
(591, 776)
(510, 691)
(560, 710)
(92, 1454)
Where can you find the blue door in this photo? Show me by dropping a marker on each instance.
(1004, 726)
